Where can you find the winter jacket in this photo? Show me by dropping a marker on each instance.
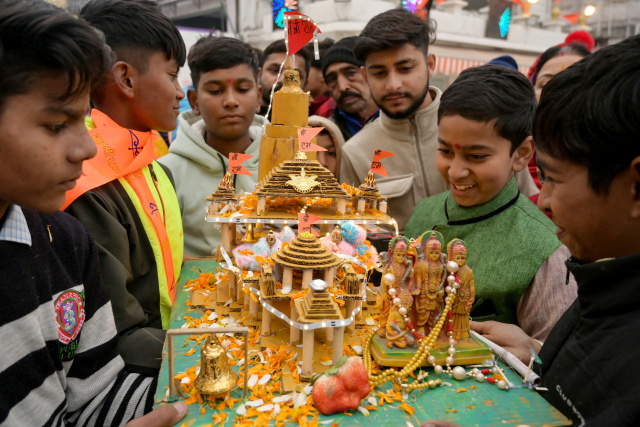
(197, 171)
(588, 359)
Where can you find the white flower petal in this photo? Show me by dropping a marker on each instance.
(267, 407)
(265, 379)
(242, 410)
(253, 379)
(363, 410)
(282, 399)
(357, 348)
(308, 389)
(254, 403)
(372, 400)
(185, 380)
(213, 316)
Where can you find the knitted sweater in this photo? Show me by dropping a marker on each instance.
(59, 361)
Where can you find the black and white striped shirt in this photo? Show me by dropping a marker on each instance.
(58, 358)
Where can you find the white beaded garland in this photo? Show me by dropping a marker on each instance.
(451, 351)
(502, 385)
(452, 266)
(449, 360)
(479, 377)
(459, 373)
(437, 369)
(431, 359)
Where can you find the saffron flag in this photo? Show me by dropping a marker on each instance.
(235, 166)
(304, 223)
(300, 30)
(305, 135)
(376, 165)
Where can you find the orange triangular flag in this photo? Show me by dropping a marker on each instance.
(572, 17)
(235, 166)
(305, 135)
(376, 165)
(304, 223)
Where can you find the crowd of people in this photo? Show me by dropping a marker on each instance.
(97, 213)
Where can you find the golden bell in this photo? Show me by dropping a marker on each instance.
(216, 378)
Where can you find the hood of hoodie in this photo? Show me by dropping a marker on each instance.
(190, 144)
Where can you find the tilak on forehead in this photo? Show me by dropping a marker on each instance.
(457, 146)
(228, 80)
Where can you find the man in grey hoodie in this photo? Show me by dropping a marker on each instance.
(224, 101)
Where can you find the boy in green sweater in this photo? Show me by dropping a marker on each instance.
(485, 120)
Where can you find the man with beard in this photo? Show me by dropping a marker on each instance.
(397, 66)
(271, 74)
(341, 71)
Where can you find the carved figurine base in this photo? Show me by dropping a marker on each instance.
(468, 352)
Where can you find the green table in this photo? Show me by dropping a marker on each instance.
(485, 405)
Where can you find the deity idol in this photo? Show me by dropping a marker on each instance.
(429, 276)
(457, 251)
(397, 329)
(397, 280)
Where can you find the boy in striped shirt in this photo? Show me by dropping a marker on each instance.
(59, 361)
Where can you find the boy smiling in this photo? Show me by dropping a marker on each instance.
(224, 100)
(484, 138)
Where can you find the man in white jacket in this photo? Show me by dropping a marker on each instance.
(224, 100)
(397, 66)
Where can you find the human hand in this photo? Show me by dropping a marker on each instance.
(439, 423)
(509, 337)
(165, 416)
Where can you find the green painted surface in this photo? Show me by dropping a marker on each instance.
(493, 407)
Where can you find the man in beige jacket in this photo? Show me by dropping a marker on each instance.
(397, 67)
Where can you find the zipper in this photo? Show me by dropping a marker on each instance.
(155, 183)
(414, 133)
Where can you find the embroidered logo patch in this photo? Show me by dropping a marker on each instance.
(69, 309)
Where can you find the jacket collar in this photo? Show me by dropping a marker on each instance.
(609, 286)
(461, 215)
(425, 119)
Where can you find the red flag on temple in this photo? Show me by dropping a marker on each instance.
(235, 160)
(376, 165)
(305, 135)
(304, 223)
(300, 30)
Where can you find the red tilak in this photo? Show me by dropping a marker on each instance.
(457, 146)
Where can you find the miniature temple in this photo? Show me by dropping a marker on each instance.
(301, 176)
(368, 195)
(318, 306)
(290, 112)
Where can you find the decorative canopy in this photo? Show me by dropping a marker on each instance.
(225, 190)
(306, 252)
(301, 176)
(368, 190)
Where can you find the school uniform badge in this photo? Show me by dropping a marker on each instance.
(69, 309)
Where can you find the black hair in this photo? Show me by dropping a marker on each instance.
(493, 94)
(589, 114)
(212, 53)
(323, 46)
(134, 29)
(38, 39)
(279, 46)
(392, 29)
(570, 49)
